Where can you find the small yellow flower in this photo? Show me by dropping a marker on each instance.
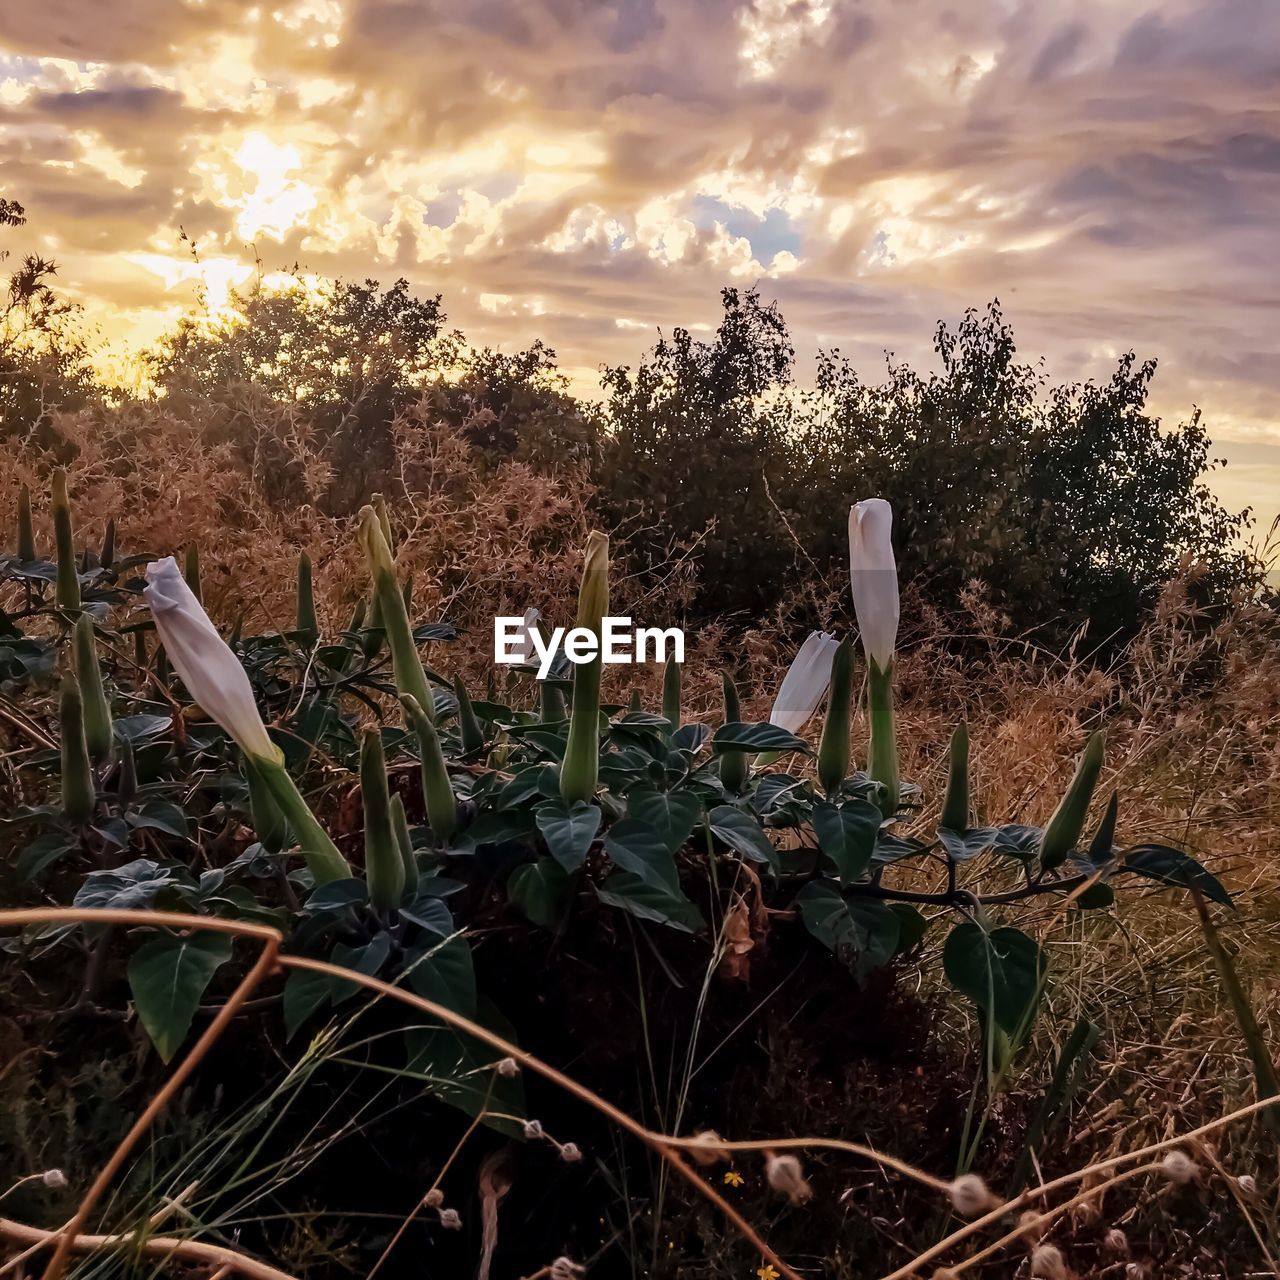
(733, 1178)
(768, 1273)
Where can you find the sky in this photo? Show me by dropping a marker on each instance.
(589, 173)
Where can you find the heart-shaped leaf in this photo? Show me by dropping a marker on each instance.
(742, 833)
(568, 830)
(1001, 971)
(167, 977)
(847, 835)
(756, 737)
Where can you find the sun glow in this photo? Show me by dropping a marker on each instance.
(276, 203)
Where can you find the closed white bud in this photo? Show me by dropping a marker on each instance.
(874, 574)
(805, 683)
(533, 1129)
(969, 1196)
(450, 1219)
(1116, 1241)
(784, 1175)
(1047, 1263)
(508, 1067)
(570, 1153)
(212, 673)
(1179, 1167)
(54, 1179)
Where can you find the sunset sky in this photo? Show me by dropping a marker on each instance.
(588, 172)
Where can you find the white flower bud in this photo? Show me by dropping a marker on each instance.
(570, 1153)
(450, 1219)
(55, 1179)
(508, 1068)
(533, 1129)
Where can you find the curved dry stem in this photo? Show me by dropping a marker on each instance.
(221, 1258)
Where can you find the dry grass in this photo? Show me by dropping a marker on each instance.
(1192, 713)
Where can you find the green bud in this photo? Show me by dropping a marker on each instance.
(411, 679)
(955, 805)
(635, 705)
(469, 731)
(191, 570)
(383, 865)
(308, 627)
(551, 708)
(883, 754)
(67, 591)
(97, 711)
(353, 638)
(268, 822)
(26, 529)
(322, 856)
(442, 808)
(671, 693)
(126, 773)
(107, 556)
(833, 751)
(404, 842)
(1102, 846)
(734, 769)
(580, 770)
(77, 777)
(1068, 819)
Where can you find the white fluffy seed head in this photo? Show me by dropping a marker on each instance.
(566, 1269)
(450, 1219)
(784, 1175)
(1086, 1213)
(570, 1153)
(533, 1129)
(1115, 1241)
(1179, 1167)
(707, 1149)
(1047, 1263)
(1247, 1184)
(969, 1196)
(434, 1198)
(508, 1067)
(1030, 1226)
(54, 1178)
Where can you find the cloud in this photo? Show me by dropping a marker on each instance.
(587, 171)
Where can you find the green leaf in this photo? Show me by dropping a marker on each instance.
(673, 814)
(445, 974)
(912, 926)
(160, 815)
(1173, 867)
(742, 833)
(461, 1070)
(568, 830)
(756, 737)
(367, 959)
(963, 845)
(641, 849)
(304, 993)
(1002, 972)
(647, 901)
(1095, 897)
(167, 976)
(847, 835)
(862, 933)
(41, 854)
(541, 890)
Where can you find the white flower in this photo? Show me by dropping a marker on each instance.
(874, 575)
(805, 682)
(211, 672)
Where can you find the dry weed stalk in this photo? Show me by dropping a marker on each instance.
(71, 1237)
